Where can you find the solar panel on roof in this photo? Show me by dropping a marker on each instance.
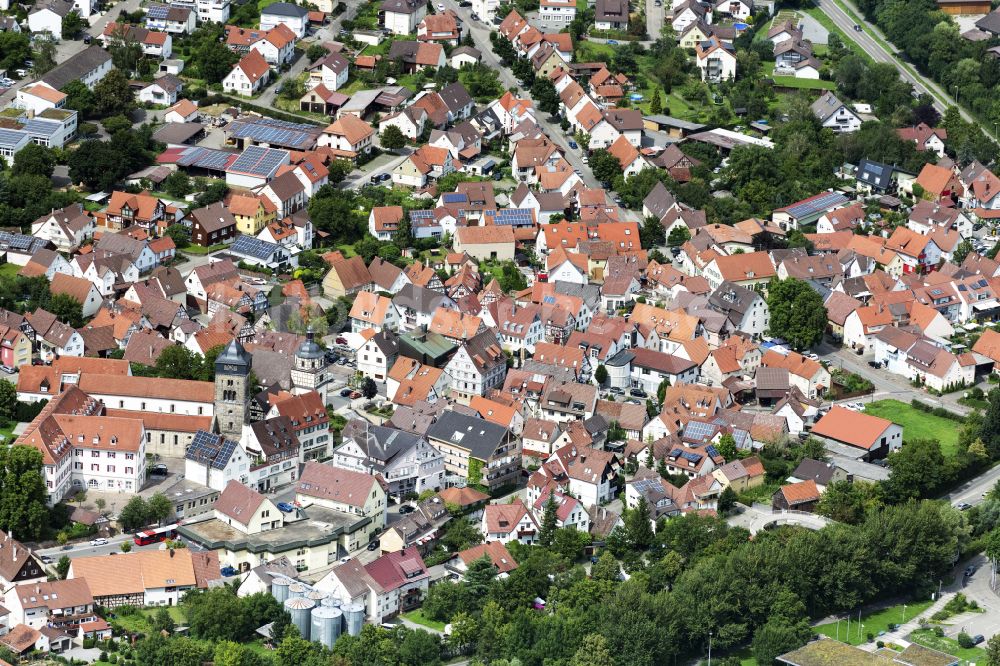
(212, 449)
(9, 137)
(455, 197)
(816, 204)
(254, 247)
(157, 11)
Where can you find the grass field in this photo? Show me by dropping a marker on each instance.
(804, 84)
(947, 645)
(873, 623)
(9, 270)
(417, 617)
(827, 23)
(917, 424)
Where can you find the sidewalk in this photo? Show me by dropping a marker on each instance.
(899, 636)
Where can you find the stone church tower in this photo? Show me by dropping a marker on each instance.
(232, 390)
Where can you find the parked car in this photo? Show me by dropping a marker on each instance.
(875, 364)
(99, 541)
(406, 508)
(9, 370)
(637, 393)
(616, 390)
(971, 569)
(345, 392)
(963, 506)
(812, 356)
(612, 42)
(45, 559)
(373, 545)
(341, 340)
(355, 395)
(977, 639)
(285, 507)
(158, 470)
(573, 145)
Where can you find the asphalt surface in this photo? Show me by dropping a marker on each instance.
(480, 32)
(873, 48)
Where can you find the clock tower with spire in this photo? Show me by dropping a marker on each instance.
(232, 390)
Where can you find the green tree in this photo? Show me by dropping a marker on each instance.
(113, 95)
(918, 470)
(164, 621)
(656, 105)
(8, 400)
(177, 185)
(218, 614)
(177, 362)
(726, 446)
(606, 568)
(605, 166)
(214, 61)
(72, 25)
(159, 507)
(543, 91)
(593, 651)
(993, 651)
(134, 514)
(179, 234)
(403, 235)
(651, 234)
(989, 429)
(125, 547)
(777, 637)
(45, 54)
(23, 513)
(339, 170)
(368, 388)
(79, 98)
(34, 160)
(316, 51)
(601, 374)
(62, 567)
(392, 138)
(549, 521)
(727, 500)
(797, 312)
(511, 278)
(678, 236)
(638, 530)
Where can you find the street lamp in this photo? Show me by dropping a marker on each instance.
(710, 648)
(904, 613)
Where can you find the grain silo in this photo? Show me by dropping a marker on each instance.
(299, 608)
(296, 590)
(279, 588)
(354, 617)
(326, 625)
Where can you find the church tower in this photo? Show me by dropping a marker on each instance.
(309, 370)
(232, 390)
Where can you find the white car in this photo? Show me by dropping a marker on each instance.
(440, 7)
(99, 541)
(812, 356)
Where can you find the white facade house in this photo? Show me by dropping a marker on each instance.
(293, 16)
(401, 17)
(835, 114)
(248, 76)
(557, 13)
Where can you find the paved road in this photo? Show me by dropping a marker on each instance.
(481, 35)
(86, 550)
(887, 385)
(67, 48)
(326, 33)
(654, 19)
(873, 48)
(755, 519)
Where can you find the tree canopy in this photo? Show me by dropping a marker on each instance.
(797, 312)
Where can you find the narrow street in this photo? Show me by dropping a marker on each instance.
(325, 34)
(873, 48)
(481, 35)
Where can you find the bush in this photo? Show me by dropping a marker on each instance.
(965, 641)
(936, 411)
(939, 631)
(103, 656)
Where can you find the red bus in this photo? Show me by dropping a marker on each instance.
(156, 535)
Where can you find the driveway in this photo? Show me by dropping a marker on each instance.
(654, 19)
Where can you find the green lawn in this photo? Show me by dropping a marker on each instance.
(761, 493)
(417, 617)
(804, 84)
(593, 52)
(917, 424)
(874, 623)
(827, 23)
(9, 270)
(7, 432)
(947, 645)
